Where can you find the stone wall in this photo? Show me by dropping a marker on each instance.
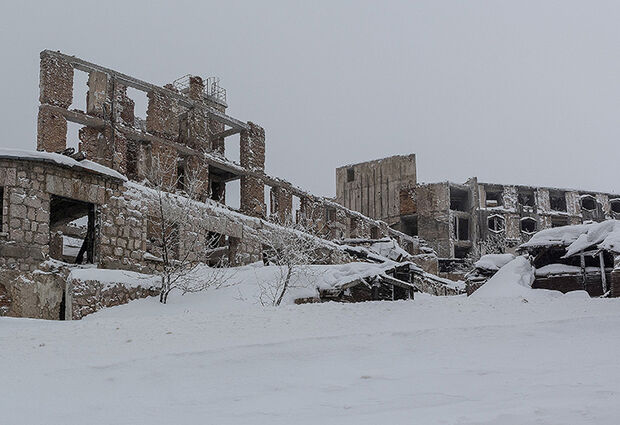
(87, 296)
(281, 205)
(252, 155)
(37, 295)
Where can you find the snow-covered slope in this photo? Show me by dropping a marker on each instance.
(218, 357)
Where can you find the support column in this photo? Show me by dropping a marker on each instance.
(195, 132)
(252, 155)
(55, 88)
(97, 96)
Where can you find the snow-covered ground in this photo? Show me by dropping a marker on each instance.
(218, 357)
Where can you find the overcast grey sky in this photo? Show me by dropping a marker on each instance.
(524, 92)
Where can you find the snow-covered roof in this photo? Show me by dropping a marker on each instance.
(577, 238)
(59, 159)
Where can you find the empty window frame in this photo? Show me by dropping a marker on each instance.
(72, 226)
(496, 223)
(494, 198)
(409, 225)
(461, 228)
(528, 225)
(526, 198)
(588, 202)
(459, 199)
(461, 251)
(614, 205)
(216, 249)
(557, 200)
(350, 174)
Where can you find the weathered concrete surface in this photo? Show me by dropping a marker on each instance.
(374, 188)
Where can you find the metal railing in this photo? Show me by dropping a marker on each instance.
(212, 87)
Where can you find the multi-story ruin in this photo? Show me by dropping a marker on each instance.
(89, 206)
(467, 220)
(93, 205)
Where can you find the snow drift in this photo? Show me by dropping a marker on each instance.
(512, 280)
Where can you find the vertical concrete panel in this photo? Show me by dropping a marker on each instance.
(97, 93)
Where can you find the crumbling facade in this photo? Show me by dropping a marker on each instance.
(463, 221)
(91, 205)
(380, 189)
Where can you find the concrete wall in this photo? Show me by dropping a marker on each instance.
(374, 188)
(434, 226)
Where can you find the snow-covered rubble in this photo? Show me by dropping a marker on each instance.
(576, 238)
(558, 269)
(513, 279)
(605, 235)
(389, 248)
(493, 262)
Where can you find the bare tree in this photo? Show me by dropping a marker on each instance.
(178, 227)
(293, 248)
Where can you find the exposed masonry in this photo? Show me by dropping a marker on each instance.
(463, 221)
(58, 208)
(183, 122)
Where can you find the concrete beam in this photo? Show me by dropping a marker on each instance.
(226, 133)
(75, 116)
(138, 84)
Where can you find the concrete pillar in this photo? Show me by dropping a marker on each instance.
(55, 88)
(124, 106)
(97, 95)
(252, 155)
(193, 129)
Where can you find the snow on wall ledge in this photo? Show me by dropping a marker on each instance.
(59, 159)
(90, 290)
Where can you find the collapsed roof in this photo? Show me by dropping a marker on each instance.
(578, 238)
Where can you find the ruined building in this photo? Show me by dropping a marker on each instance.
(92, 205)
(89, 206)
(464, 221)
